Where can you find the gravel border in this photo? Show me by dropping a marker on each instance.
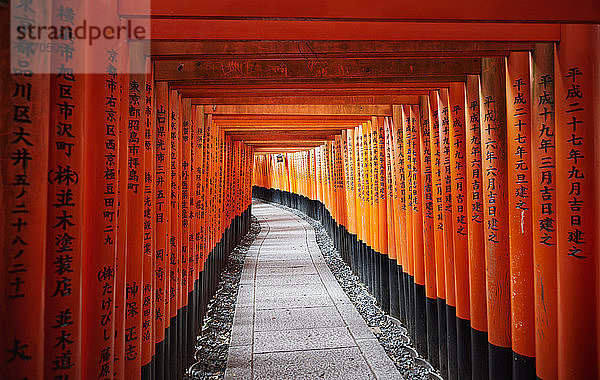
(212, 344)
(392, 336)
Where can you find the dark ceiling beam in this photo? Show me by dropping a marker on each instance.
(431, 10)
(301, 109)
(326, 69)
(313, 100)
(182, 29)
(218, 50)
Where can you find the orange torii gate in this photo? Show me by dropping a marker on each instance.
(474, 189)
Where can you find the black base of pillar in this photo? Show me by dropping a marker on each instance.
(433, 349)
(500, 362)
(523, 367)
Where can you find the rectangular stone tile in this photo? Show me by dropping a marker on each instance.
(239, 363)
(334, 364)
(378, 360)
(316, 289)
(267, 263)
(285, 269)
(290, 319)
(305, 339)
(355, 322)
(279, 258)
(286, 280)
(293, 302)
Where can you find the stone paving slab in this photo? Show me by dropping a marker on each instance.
(292, 319)
(341, 363)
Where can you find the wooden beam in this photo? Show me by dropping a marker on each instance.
(465, 10)
(301, 109)
(313, 100)
(322, 69)
(282, 135)
(333, 49)
(315, 92)
(291, 128)
(284, 143)
(174, 29)
(274, 150)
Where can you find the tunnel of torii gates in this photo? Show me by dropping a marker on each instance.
(451, 151)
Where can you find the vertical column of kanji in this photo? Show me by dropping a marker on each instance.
(149, 230)
(398, 152)
(335, 150)
(372, 198)
(320, 158)
(175, 232)
(191, 238)
(518, 120)
(200, 202)
(477, 288)
(400, 221)
(327, 177)
(446, 174)
(162, 208)
(379, 131)
(208, 223)
(577, 94)
(185, 167)
(428, 238)
(438, 229)
(341, 193)
(459, 227)
(419, 259)
(63, 253)
(331, 171)
(343, 187)
(100, 215)
(390, 186)
(493, 140)
(543, 210)
(135, 87)
(408, 177)
(24, 168)
(360, 194)
(368, 198)
(358, 185)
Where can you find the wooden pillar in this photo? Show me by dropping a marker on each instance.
(380, 188)
(438, 229)
(459, 226)
(475, 228)
(428, 237)
(24, 126)
(162, 185)
(493, 142)
(518, 121)
(543, 209)
(576, 75)
(186, 286)
(62, 306)
(149, 229)
(419, 259)
(174, 244)
(408, 176)
(392, 222)
(446, 175)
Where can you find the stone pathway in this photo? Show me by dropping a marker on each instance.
(292, 319)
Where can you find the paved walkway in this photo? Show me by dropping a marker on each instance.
(292, 319)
